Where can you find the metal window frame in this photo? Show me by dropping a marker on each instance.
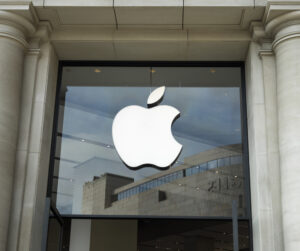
(239, 64)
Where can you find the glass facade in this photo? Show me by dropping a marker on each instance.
(89, 176)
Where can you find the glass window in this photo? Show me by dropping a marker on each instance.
(120, 196)
(155, 183)
(212, 164)
(227, 161)
(195, 170)
(221, 162)
(236, 160)
(88, 171)
(188, 172)
(203, 167)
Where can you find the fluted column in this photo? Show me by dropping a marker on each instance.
(13, 30)
(286, 32)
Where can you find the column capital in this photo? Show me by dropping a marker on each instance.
(41, 35)
(284, 27)
(15, 27)
(282, 21)
(266, 50)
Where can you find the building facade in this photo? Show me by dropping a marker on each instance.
(130, 198)
(35, 36)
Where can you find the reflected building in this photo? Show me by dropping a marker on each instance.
(205, 184)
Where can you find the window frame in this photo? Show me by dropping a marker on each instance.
(243, 109)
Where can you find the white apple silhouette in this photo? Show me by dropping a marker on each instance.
(143, 137)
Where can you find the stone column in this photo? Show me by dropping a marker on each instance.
(273, 168)
(26, 104)
(13, 30)
(286, 32)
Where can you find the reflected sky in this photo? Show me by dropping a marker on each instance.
(208, 115)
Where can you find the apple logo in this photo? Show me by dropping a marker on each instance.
(143, 136)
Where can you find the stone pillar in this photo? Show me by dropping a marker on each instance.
(26, 100)
(13, 30)
(273, 168)
(264, 167)
(286, 32)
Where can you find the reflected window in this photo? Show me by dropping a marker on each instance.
(212, 164)
(91, 179)
(203, 167)
(236, 160)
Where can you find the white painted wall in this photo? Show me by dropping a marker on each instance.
(80, 235)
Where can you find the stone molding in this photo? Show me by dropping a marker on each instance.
(284, 27)
(44, 31)
(280, 28)
(265, 52)
(16, 27)
(282, 21)
(258, 32)
(42, 35)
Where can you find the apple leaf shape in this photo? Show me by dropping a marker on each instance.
(156, 96)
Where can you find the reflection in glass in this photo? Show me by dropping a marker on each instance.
(90, 178)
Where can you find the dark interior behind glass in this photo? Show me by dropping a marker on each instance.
(150, 235)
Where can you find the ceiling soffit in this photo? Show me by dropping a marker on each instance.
(175, 14)
(150, 30)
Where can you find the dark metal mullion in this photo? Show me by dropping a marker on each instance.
(79, 63)
(235, 226)
(158, 64)
(48, 203)
(245, 142)
(46, 224)
(54, 131)
(246, 165)
(57, 214)
(61, 234)
(97, 216)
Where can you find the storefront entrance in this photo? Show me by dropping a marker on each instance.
(101, 201)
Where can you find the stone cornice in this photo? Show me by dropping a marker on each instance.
(263, 53)
(43, 32)
(281, 21)
(17, 20)
(277, 8)
(284, 27)
(266, 50)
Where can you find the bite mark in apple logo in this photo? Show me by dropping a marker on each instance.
(143, 136)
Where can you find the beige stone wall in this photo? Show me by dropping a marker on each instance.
(11, 66)
(31, 70)
(262, 33)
